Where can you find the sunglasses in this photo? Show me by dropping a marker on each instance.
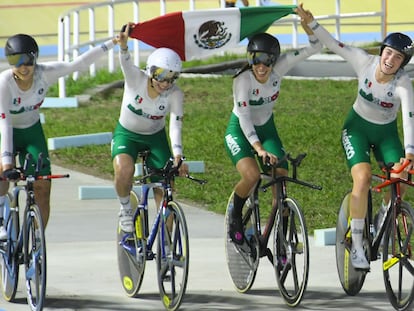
(255, 58)
(164, 75)
(18, 60)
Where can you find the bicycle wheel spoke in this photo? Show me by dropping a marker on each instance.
(291, 255)
(398, 263)
(173, 257)
(34, 258)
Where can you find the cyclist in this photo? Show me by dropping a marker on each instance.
(148, 97)
(383, 87)
(23, 89)
(251, 126)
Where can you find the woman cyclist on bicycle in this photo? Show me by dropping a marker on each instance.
(251, 127)
(383, 87)
(23, 89)
(148, 97)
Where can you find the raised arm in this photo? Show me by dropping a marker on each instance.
(355, 56)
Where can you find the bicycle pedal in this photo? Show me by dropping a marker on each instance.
(150, 255)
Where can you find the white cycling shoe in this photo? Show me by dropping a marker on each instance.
(126, 221)
(358, 259)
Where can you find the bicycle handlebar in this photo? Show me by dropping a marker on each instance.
(388, 180)
(168, 172)
(295, 162)
(388, 168)
(39, 177)
(27, 162)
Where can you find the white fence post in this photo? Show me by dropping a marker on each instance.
(69, 49)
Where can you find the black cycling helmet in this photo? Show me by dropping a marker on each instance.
(401, 43)
(263, 42)
(21, 44)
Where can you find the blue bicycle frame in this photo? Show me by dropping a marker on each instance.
(142, 209)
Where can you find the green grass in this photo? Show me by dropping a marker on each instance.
(308, 115)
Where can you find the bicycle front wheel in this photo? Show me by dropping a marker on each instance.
(131, 250)
(291, 252)
(350, 278)
(34, 250)
(9, 253)
(173, 255)
(398, 258)
(242, 260)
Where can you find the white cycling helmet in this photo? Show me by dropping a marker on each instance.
(163, 65)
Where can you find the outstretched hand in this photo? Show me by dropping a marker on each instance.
(306, 16)
(122, 37)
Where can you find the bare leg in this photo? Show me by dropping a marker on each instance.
(361, 176)
(124, 168)
(42, 190)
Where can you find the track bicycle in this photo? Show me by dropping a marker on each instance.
(169, 228)
(394, 239)
(290, 256)
(26, 244)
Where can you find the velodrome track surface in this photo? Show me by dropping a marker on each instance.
(83, 275)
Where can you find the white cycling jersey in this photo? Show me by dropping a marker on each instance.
(254, 101)
(144, 115)
(20, 109)
(377, 103)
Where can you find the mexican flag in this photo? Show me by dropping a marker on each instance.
(201, 33)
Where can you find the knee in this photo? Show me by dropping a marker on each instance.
(251, 176)
(123, 168)
(362, 182)
(124, 172)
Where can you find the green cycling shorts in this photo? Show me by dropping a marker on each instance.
(32, 140)
(125, 141)
(238, 147)
(359, 137)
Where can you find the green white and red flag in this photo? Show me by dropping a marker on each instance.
(201, 33)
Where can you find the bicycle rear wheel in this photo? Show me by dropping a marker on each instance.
(291, 252)
(243, 260)
(350, 278)
(398, 258)
(9, 258)
(34, 245)
(173, 256)
(132, 254)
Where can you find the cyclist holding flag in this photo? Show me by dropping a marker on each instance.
(148, 97)
(23, 89)
(383, 87)
(251, 127)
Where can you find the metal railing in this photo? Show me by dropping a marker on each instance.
(70, 31)
(337, 17)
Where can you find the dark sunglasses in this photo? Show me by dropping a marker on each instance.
(255, 58)
(18, 60)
